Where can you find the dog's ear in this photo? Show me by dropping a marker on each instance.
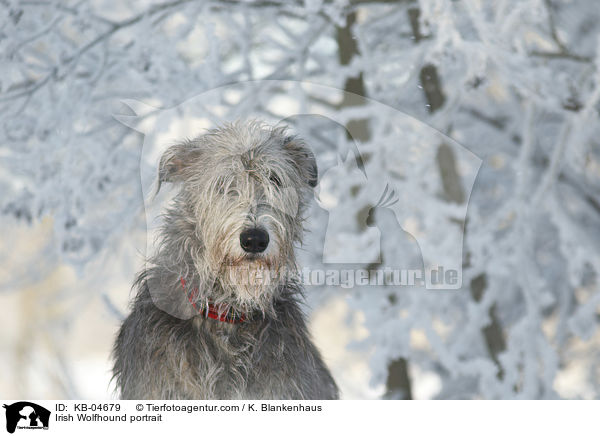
(175, 161)
(304, 158)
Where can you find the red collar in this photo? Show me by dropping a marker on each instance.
(212, 311)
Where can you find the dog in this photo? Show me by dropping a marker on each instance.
(217, 313)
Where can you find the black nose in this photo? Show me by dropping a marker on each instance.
(254, 240)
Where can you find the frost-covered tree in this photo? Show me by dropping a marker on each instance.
(412, 91)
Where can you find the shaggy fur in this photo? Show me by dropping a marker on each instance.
(240, 176)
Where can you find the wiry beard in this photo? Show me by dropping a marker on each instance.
(244, 281)
(248, 283)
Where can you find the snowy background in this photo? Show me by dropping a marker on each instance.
(482, 117)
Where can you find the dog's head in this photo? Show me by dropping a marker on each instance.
(242, 192)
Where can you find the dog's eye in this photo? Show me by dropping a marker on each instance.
(275, 180)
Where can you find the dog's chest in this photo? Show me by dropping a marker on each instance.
(222, 363)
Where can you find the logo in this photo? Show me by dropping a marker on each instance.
(379, 214)
(26, 415)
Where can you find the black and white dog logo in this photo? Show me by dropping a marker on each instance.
(26, 415)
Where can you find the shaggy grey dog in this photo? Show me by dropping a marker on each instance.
(217, 312)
